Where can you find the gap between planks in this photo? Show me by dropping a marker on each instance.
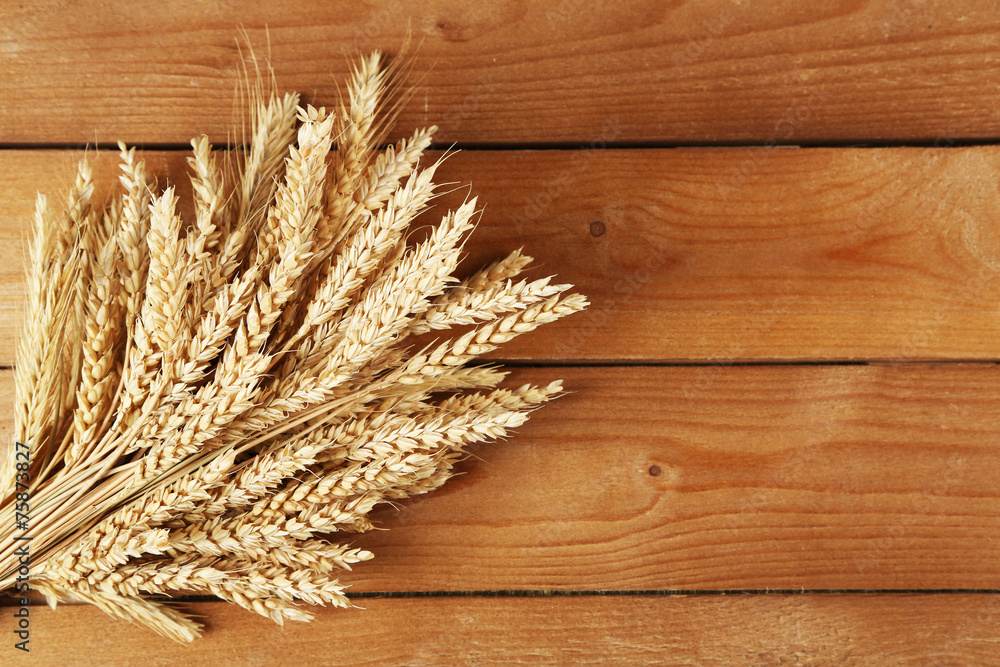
(557, 593)
(952, 142)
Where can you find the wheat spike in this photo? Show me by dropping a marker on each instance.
(216, 405)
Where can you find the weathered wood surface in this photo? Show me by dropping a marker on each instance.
(697, 631)
(531, 71)
(699, 255)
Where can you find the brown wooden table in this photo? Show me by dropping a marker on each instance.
(782, 442)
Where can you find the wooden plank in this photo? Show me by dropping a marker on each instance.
(533, 71)
(720, 478)
(758, 477)
(704, 255)
(704, 630)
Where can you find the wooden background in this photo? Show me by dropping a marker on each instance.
(782, 445)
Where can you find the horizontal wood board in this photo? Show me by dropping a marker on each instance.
(893, 630)
(701, 255)
(758, 477)
(531, 71)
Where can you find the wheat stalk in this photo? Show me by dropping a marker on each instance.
(208, 403)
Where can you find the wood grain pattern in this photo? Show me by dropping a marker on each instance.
(646, 478)
(698, 631)
(527, 71)
(759, 477)
(704, 255)
(720, 478)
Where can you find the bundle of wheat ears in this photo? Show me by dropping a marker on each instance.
(214, 406)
